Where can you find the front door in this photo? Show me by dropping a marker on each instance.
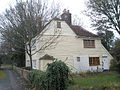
(105, 63)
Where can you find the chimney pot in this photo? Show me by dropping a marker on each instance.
(68, 11)
(66, 16)
(64, 11)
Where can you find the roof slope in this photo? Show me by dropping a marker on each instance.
(81, 31)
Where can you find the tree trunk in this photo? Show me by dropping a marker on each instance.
(30, 56)
(31, 66)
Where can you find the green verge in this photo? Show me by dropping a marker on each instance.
(2, 74)
(97, 81)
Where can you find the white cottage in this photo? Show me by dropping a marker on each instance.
(81, 50)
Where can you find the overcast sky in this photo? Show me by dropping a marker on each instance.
(76, 7)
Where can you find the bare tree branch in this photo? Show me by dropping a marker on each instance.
(105, 12)
(23, 22)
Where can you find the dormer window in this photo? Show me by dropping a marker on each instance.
(89, 43)
(58, 24)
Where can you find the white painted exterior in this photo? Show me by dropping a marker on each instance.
(68, 48)
(43, 64)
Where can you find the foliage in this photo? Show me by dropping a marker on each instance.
(55, 78)
(4, 59)
(37, 79)
(21, 23)
(0, 63)
(94, 82)
(113, 65)
(105, 14)
(57, 75)
(116, 53)
(118, 67)
(106, 38)
(116, 50)
(9, 48)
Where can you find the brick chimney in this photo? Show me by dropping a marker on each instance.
(66, 16)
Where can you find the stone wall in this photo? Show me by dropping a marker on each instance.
(22, 72)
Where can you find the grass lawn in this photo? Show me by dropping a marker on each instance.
(97, 81)
(2, 74)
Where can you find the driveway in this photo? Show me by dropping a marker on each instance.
(12, 81)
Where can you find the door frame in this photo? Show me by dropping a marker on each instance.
(105, 65)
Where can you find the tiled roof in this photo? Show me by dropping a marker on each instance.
(47, 57)
(81, 31)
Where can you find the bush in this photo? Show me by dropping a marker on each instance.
(57, 75)
(114, 65)
(37, 79)
(55, 78)
(118, 67)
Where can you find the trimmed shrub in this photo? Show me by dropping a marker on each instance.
(57, 76)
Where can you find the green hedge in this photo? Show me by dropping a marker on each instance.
(55, 77)
(115, 65)
(37, 79)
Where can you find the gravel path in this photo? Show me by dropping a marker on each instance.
(12, 81)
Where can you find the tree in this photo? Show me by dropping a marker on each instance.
(77, 21)
(106, 38)
(0, 62)
(116, 54)
(21, 23)
(116, 50)
(57, 75)
(105, 14)
(10, 48)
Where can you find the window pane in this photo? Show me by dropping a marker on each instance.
(94, 61)
(85, 43)
(58, 24)
(78, 59)
(92, 43)
(89, 43)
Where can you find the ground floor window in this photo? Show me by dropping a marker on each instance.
(94, 61)
(34, 64)
(78, 59)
